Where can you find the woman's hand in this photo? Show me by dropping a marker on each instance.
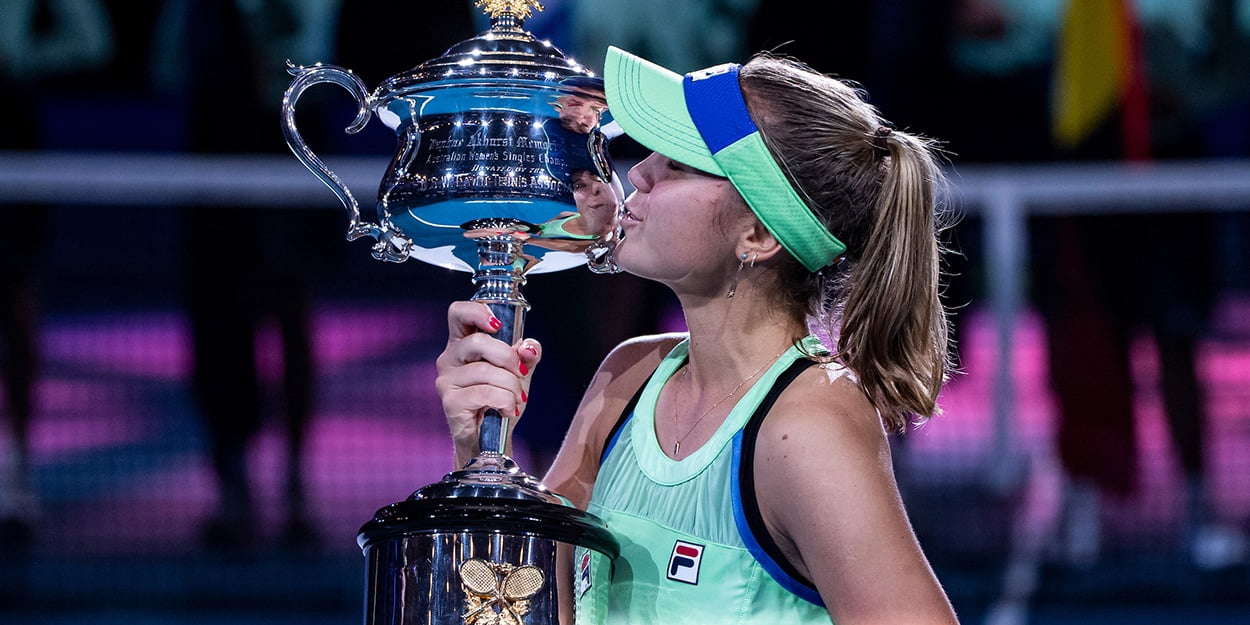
(476, 371)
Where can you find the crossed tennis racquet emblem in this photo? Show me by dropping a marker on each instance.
(498, 594)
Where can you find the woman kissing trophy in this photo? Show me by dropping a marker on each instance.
(495, 139)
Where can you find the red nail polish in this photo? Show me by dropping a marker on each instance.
(524, 397)
(518, 410)
(495, 324)
(524, 369)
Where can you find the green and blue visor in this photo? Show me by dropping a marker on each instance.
(701, 120)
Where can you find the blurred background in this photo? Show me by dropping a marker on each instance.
(206, 390)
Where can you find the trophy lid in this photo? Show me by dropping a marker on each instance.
(505, 51)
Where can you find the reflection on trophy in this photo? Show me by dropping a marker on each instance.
(501, 170)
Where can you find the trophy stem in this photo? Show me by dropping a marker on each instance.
(499, 277)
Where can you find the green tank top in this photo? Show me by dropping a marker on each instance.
(691, 552)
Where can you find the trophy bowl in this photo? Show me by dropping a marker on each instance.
(501, 170)
(493, 135)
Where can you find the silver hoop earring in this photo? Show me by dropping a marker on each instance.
(733, 286)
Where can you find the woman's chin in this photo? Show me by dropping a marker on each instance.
(624, 258)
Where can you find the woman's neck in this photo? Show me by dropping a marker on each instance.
(730, 337)
(733, 340)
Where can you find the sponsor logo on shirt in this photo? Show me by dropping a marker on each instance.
(583, 575)
(683, 565)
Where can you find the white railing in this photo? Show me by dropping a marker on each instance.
(1004, 196)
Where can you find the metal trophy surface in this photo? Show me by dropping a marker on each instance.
(501, 170)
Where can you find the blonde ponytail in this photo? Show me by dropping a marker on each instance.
(875, 189)
(893, 330)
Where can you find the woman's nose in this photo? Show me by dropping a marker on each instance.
(640, 175)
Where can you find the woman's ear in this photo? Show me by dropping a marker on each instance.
(758, 243)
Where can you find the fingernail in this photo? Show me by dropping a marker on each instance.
(495, 323)
(524, 369)
(518, 410)
(524, 397)
(531, 349)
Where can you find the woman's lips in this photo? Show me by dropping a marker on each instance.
(626, 215)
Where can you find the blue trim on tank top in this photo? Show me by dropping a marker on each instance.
(770, 566)
(607, 449)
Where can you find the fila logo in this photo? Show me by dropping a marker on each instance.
(583, 575)
(704, 74)
(683, 565)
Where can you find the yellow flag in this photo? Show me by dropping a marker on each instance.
(1093, 68)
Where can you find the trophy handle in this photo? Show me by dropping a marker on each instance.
(392, 245)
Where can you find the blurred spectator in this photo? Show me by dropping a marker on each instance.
(40, 43)
(1199, 65)
(244, 267)
(1198, 58)
(1097, 279)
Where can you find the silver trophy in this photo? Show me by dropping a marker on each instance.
(501, 170)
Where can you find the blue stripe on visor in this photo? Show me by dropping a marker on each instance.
(716, 106)
(719, 113)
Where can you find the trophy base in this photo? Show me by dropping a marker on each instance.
(451, 560)
(478, 547)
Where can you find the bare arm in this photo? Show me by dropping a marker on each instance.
(576, 466)
(620, 376)
(477, 371)
(827, 493)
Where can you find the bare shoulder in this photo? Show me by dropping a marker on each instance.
(641, 350)
(849, 530)
(622, 373)
(618, 378)
(825, 408)
(821, 425)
